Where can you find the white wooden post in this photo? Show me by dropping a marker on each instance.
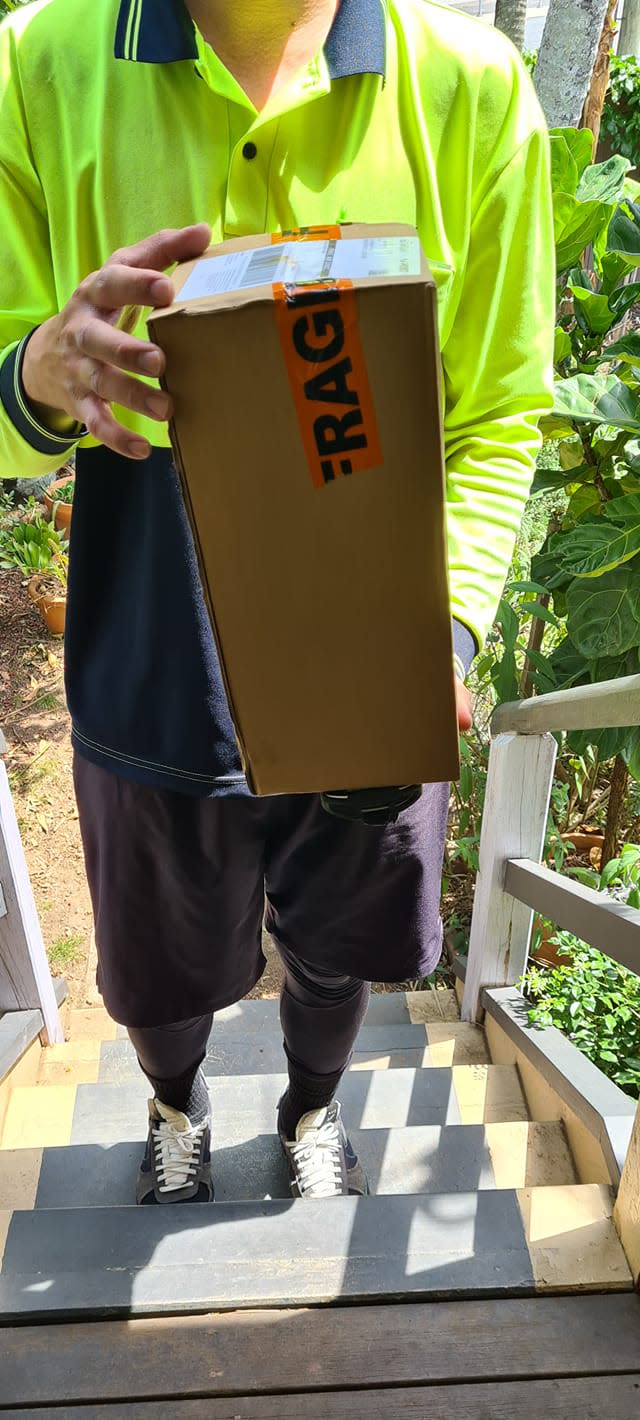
(25, 978)
(513, 826)
(627, 1209)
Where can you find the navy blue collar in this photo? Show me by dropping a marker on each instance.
(161, 32)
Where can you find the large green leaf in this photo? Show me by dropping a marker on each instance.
(624, 297)
(627, 349)
(561, 345)
(568, 664)
(571, 453)
(564, 169)
(547, 480)
(585, 502)
(608, 743)
(604, 614)
(611, 265)
(623, 232)
(592, 548)
(579, 141)
(594, 309)
(596, 399)
(603, 182)
(575, 225)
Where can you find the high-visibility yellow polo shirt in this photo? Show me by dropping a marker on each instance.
(117, 119)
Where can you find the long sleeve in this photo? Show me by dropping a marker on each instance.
(498, 378)
(27, 290)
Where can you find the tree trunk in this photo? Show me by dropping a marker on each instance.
(629, 37)
(566, 56)
(619, 779)
(592, 112)
(511, 18)
(536, 633)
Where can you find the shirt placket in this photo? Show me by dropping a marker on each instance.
(252, 137)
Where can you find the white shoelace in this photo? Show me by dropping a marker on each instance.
(318, 1161)
(177, 1152)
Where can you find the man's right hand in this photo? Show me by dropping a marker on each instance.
(79, 363)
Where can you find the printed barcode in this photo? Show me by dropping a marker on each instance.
(263, 267)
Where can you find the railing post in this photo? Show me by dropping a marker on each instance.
(25, 978)
(513, 826)
(627, 1209)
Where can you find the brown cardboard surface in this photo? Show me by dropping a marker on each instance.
(329, 604)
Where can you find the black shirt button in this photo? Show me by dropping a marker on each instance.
(249, 151)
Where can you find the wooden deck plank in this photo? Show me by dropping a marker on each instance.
(243, 1352)
(582, 1399)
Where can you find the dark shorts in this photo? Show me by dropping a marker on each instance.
(179, 883)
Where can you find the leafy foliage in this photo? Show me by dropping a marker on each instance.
(597, 1005)
(589, 563)
(621, 111)
(33, 546)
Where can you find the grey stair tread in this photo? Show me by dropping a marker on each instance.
(385, 1008)
(246, 1104)
(98, 1261)
(263, 1051)
(423, 1159)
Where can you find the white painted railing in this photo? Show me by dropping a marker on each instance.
(512, 881)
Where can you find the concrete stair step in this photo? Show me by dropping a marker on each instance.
(385, 1008)
(46, 1116)
(234, 1052)
(96, 1262)
(415, 1159)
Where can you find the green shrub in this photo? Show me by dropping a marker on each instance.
(596, 1003)
(621, 110)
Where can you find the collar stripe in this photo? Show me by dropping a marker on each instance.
(162, 32)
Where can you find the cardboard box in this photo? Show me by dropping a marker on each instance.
(307, 436)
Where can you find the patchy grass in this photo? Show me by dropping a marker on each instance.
(65, 951)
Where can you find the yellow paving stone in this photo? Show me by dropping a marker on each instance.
(393, 1060)
(6, 1215)
(38, 1118)
(456, 1043)
(488, 1094)
(529, 1154)
(91, 1023)
(75, 1063)
(24, 1072)
(19, 1174)
(572, 1242)
(432, 1006)
(69, 1072)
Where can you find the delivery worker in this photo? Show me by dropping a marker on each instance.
(122, 125)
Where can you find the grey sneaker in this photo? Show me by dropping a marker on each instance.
(321, 1161)
(176, 1167)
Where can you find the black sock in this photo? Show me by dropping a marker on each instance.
(187, 1092)
(305, 1092)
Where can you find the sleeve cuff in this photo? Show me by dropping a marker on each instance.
(464, 648)
(16, 404)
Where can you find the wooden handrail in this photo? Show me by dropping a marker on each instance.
(611, 926)
(607, 704)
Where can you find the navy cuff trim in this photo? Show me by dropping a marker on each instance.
(16, 404)
(464, 648)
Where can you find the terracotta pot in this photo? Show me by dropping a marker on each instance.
(51, 605)
(63, 510)
(548, 954)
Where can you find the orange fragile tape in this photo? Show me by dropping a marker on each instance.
(318, 328)
(307, 234)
